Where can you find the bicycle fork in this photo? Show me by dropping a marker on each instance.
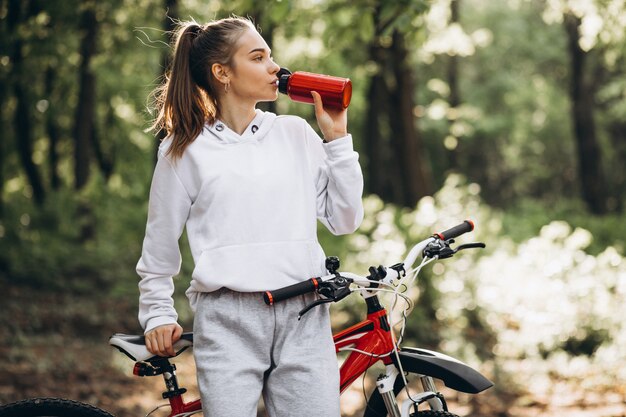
(385, 384)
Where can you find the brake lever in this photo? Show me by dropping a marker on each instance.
(470, 246)
(331, 291)
(442, 249)
(449, 252)
(312, 305)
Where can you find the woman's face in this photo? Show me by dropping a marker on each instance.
(252, 70)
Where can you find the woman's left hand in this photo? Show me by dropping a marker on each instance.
(332, 122)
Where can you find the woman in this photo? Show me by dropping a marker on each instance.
(248, 186)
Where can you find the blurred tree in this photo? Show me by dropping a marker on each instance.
(410, 153)
(454, 100)
(4, 87)
(52, 129)
(397, 165)
(512, 134)
(446, 121)
(18, 15)
(594, 187)
(595, 43)
(85, 108)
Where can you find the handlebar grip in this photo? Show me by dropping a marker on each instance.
(458, 230)
(304, 287)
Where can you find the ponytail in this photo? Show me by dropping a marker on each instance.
(187, 101)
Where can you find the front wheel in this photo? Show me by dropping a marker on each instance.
(51, 407)
(376, 406)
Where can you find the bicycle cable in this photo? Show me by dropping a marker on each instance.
(413, 273)
(410, 276)
(156, 408)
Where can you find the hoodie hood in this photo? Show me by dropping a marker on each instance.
(256, 130)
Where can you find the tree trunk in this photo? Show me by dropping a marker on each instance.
(407, 141)
(377, 96)
(52, 130)
(617, 131)
(21, 120)
(394, 150)
(85, 109)
(594, 189)
(3, 150)
(376, 149)
(105, 163)
(453, 82)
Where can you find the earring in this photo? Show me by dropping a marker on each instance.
(226, 87)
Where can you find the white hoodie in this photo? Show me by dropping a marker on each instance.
(250, 204)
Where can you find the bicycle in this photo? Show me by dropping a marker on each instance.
(368, 342)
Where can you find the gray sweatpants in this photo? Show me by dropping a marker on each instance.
(244, 349)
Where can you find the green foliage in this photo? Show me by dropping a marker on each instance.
(525, 219)
(74, 243)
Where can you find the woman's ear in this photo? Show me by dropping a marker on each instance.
(220, 73)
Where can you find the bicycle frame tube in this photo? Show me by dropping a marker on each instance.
(372, 335)
(180, 407)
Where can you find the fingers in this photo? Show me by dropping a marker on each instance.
(332, 122)
(319, 106)
(324, 120)
(178, 332)
(160, 340)
(152, 343)
(165, 342)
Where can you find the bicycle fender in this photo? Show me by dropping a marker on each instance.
(454, 373)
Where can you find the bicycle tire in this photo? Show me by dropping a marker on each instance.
(51, 407)
(376, 406)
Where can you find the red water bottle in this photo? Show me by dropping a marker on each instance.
(335, 91)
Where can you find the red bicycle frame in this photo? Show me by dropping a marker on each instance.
(179, 406)
(372, 335)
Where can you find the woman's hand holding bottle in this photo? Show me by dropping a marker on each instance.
(333, 122)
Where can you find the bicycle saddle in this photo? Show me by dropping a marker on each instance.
(134, 346)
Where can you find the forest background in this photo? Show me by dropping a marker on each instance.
(509, 112)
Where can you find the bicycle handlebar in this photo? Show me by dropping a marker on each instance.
(456, 231)
(312, 284)
(304, 287)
